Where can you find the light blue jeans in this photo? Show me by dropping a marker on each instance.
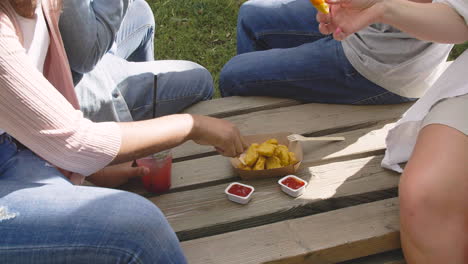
(121, 87)
(44, 219)
(283, 54)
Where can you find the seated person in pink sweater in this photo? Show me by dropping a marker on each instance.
(44, 218)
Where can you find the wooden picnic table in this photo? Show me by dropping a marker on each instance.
(349, 209)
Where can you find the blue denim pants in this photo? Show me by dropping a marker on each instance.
(44, 219)
(281, 53)
(121, 87)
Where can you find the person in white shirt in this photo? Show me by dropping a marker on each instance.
(432, 135)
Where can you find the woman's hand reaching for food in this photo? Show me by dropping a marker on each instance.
(219, 133)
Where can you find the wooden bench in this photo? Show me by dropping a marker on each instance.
(348, 213)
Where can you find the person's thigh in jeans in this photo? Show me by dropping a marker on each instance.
(45, 219)
(267, 24)
(179, 85)
(292, 59)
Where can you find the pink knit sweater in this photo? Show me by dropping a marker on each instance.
(40, 110)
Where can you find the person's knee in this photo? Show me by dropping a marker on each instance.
(198, 78)
(145, 12)
(143, 230)
(252, 10)
(206, 83)
(230, 77)
(413, 198)
(424, 192)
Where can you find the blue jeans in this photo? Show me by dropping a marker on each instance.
(121, 87)
(45, 219)
(283, 54)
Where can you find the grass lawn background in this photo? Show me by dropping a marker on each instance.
(204, 31)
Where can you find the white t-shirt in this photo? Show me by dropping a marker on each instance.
(36, 38)
(395, 60)
(453, 82)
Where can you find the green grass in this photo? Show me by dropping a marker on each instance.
(458, 50)
(204, 31)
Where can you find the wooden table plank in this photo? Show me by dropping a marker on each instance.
(217, 169)
(306, 118)
(207, 211)
(391, 257)
(236, 105)
(323, 238)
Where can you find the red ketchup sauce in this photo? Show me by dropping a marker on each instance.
(293, 183)
(239, 190)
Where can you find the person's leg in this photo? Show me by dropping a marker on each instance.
(282, 54)
(135, 38)
(313, 72)
(123, 91)
(266, 24)
(179, 85)
(433, 198)
(122, 87)
(45, 219)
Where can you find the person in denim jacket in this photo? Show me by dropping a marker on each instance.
(109, 44)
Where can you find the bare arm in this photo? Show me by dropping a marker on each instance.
(143, 138)
(428, 21)
(436, 22)
(37, 115)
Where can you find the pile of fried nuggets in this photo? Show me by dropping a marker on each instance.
(268, 155)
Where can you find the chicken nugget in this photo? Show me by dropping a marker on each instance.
(273, 141)
(244, 167)
(273, 163)
(292, 158)
(282, 152)
(260, 165)
(251, 155)
(266, 149)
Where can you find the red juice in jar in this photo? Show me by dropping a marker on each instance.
(158, 180)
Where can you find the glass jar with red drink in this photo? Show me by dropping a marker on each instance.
(158, 180)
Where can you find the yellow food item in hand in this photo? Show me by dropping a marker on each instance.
(282, 152)
(266, 149)
(292, 158)
(321, 6)
(273, 163)
(252, 155)
(260, 165)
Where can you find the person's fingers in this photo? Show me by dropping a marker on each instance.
(325, 29)
(339, 34)
(322, 18)
(239, 146)
(220, 150)
(230, 150)
(138, 172)
(126, 171)
(244, 144)
(337, 2)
